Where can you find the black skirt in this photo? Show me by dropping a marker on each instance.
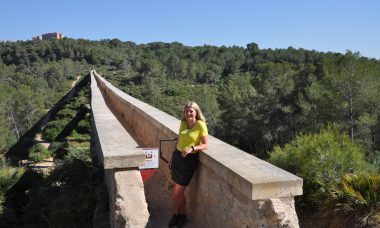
(183, 168)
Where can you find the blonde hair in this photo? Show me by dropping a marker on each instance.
(192, 104)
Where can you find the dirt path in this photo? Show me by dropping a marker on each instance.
(39, 139)
(44, 164)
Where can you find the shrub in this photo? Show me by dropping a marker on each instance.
(74, 104)
(57, 149)
(84, 126)
(55, 145)
(80, 151)
(8, 177)
(63, 199)
(75, 136)
(321, 160)
(358, 190)
(66, 113)
(374, 159)
(38, 153)
(53, 128)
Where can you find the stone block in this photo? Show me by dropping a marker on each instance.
(128, 207)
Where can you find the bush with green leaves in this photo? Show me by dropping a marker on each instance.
(75, 136)
(84, 126)
(54, 128)
(66, 113)
(357, 191)
(321, 159)
(74, 104)
(78, 150)
(8, 177)
(38, 153)
(374, 159)
(65, 198)
(55, 145)
(79, 154)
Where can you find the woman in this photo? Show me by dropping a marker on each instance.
(192, 138)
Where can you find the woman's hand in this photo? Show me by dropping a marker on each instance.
(202, 146)
(186, 151)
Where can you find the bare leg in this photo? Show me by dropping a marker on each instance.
(179, 199)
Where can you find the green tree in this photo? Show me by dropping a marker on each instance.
(351, 85)
(237, 102)
(151, 91)
(207, 100)
(54, 77)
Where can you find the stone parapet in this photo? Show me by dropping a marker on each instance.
(119, 149)
(121, 156)
(231, 188)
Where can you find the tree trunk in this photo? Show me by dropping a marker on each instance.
(14, 122)
(352, 119)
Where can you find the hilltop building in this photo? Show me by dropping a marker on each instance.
(49, 36)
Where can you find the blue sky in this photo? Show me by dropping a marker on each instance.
(322, 25)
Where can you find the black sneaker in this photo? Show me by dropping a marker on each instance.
(173, 220)
(181, 220)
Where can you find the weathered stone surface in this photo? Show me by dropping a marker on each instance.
(128, 207)
(253, 177)
(118, 148)
(216, 203)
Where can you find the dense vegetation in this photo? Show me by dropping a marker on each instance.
(318, 108)
(67, 194)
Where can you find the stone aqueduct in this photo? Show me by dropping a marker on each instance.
(230, 188)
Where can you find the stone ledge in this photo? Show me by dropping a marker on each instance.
(160, 119)
(253, 177)
(119, 149)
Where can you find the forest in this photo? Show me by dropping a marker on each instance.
(312, 113)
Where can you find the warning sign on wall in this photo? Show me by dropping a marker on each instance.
(151, 158)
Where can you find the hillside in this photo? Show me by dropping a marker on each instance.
(62, 185)
(259, 100)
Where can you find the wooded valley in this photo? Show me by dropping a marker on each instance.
(314, 114)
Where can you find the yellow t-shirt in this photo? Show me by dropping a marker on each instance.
(191, 137)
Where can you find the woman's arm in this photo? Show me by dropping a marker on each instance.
(202, 146)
